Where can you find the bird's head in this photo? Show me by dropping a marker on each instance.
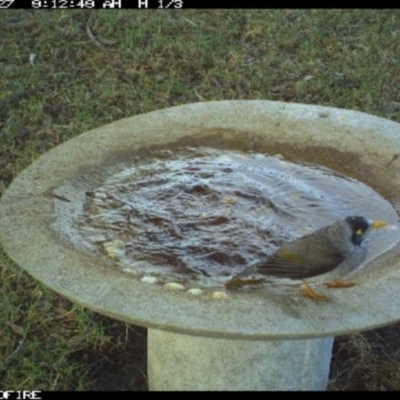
(359, 227)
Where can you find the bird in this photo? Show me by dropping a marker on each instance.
(325, 256)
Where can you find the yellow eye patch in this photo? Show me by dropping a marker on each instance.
(359, 232)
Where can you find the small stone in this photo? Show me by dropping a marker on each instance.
(149, 279)
(219, 296)
(113, 249)
(195, 291)
(174, 286)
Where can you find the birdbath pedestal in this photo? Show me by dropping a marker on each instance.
(251, 340)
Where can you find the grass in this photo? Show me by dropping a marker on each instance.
(91, 68)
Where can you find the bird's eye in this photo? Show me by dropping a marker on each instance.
(359, 232)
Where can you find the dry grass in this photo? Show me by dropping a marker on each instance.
(93, 68)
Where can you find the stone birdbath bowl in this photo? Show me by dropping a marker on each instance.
(201, 336)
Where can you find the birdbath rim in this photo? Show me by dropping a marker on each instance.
(349, 141)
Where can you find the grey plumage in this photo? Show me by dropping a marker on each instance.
(330, 253)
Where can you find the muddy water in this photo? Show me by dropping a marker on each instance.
(201, 215)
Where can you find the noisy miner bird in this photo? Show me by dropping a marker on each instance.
(325, 256)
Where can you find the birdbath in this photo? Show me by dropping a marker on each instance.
(200, 336)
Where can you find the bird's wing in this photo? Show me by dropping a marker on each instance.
(315, 258)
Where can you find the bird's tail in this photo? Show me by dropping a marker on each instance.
(245, 277)
(237, 283)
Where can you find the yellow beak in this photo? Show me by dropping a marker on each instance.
(379, 224)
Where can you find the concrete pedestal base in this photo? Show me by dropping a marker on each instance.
(181, 362)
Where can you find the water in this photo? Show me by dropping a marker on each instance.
(201, 215)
